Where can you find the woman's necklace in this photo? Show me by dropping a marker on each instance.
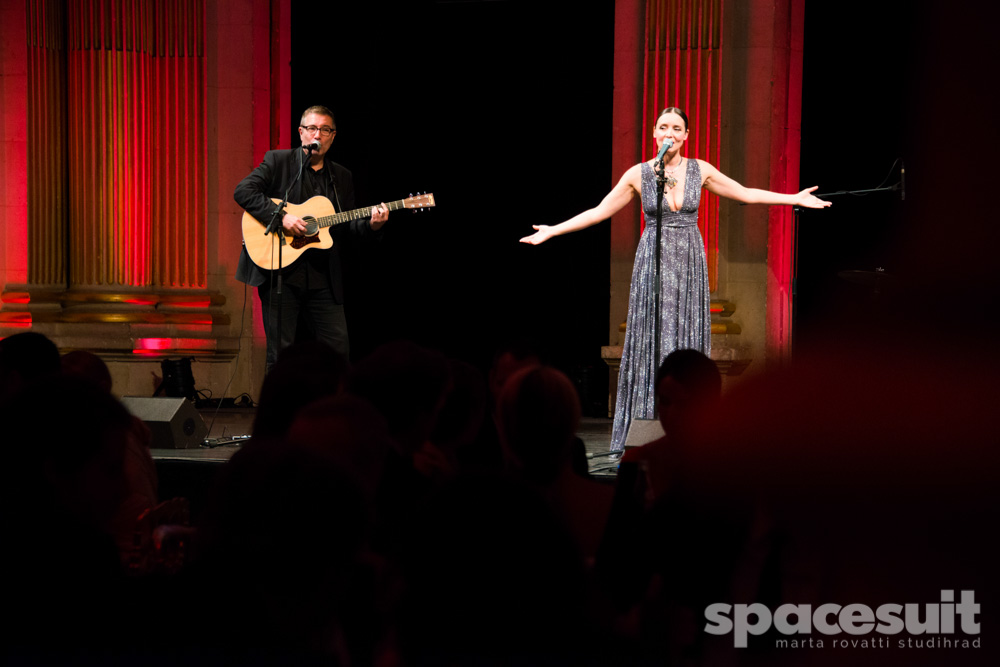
(670, 180)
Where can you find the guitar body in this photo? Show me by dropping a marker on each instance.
(263, 248)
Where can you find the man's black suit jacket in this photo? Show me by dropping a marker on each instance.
(270, 180)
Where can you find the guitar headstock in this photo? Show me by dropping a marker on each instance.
(425, 200)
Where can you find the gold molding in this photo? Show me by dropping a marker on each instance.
(26, 305)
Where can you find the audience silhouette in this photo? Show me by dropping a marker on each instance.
(377, 518)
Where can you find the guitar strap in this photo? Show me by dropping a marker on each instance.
(333, 186)
(315, 187)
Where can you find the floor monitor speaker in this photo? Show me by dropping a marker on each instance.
(174, 421)
(641, 431)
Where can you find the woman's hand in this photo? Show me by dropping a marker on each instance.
(806, 199)
(543, 234)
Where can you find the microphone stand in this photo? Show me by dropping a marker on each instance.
(275, 227)
(796, 221)
(660, 183)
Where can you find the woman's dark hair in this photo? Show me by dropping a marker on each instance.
(676, 111)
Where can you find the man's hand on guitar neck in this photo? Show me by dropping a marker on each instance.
(380, 214)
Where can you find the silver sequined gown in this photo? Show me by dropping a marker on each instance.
(685, 321)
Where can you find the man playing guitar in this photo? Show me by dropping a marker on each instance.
(314, 283)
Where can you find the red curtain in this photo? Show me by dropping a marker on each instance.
(178, 146)
(683, 69)
(126, 121)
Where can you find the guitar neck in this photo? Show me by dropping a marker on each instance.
(356, 214)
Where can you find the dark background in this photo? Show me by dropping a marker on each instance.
(857, 74)
(502, 109)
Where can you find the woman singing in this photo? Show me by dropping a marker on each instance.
(684, 300)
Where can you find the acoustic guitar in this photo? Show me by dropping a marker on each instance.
(319, 216)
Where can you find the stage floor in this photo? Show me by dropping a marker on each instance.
(230, 427)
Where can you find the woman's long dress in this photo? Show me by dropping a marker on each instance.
(685, 321)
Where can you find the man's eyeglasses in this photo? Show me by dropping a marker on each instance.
(325, 131)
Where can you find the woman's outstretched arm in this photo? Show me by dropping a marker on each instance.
(718, 183)
(615, 201)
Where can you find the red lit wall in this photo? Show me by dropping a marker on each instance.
(13, 144)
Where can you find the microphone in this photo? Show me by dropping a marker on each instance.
(314, 146)
(667, 145)
(902, 180)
